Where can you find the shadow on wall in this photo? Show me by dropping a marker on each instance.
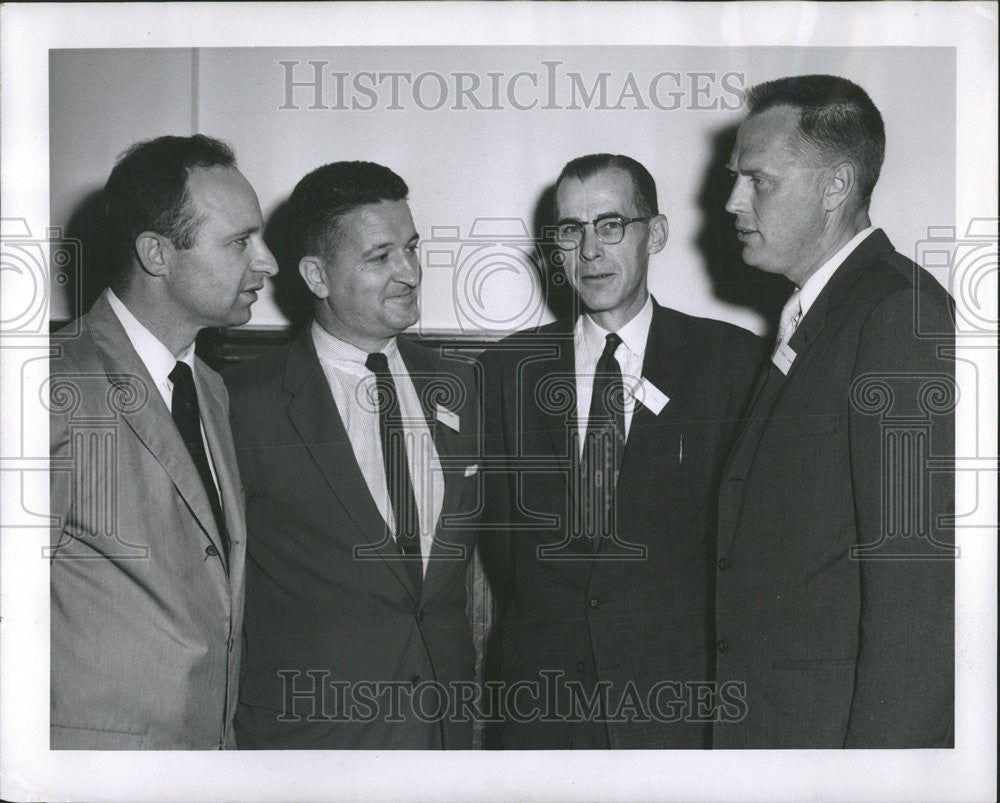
(84, 256)
(732, 280)
(556, 289)
(291, 295)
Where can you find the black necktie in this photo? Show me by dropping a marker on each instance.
(605, 442)
(397, 471)
(187, 417)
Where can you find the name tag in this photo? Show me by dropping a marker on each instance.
(447, 417)
(783, 358)
(651, 397)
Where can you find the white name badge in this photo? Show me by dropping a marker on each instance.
(447, 417)
(783, 358)
(651, 397)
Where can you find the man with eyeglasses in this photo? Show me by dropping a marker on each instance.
(609, 430)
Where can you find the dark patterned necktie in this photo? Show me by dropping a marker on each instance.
(187, 416)
(397, 470)
(604, 444)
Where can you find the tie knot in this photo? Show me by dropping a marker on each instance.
(790, 315)
(611, 343)
(377, 364)
(181, 374)
(793, 307)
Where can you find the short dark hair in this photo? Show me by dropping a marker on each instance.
(836, 118)
(147, 191)
(325, 195)
(643, 185)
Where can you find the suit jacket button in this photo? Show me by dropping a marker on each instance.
(722, 646)
(211, 551)
(594, 602)
(581, 666)
(723, 564)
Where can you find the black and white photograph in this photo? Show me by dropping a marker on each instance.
(395, 394)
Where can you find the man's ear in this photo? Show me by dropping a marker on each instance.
(840, 184)
(658, 231)
(154, 252)
(314, 275)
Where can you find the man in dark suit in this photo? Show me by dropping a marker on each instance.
(148, 532)
(610, 430)
(358, 451)
(835, 587)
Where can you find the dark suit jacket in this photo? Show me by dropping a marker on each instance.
(625, 618)
(331, 611)
(145, 615)
(840, 647)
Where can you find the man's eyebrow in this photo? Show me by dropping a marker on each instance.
(239, 235)
(601, 216)
(375, 249)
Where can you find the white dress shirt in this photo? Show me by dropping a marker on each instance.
(159, 361)
(588, 342)
(353, 389)
(814, 285)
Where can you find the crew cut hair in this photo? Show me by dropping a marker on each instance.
(643, 185)
(324, 196)
(837, 120)
(147, 191)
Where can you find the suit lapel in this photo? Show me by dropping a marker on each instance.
(551, 378)
(806, 342)
(151, 422)
(663, 367)
(433, 382)
(214, 412)
(315, 417)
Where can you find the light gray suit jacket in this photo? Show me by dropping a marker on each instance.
(146, 612)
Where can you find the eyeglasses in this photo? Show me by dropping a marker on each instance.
(610, 229)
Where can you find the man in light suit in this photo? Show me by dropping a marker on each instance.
(835, 586)
(148, 530)
(609, 428)
(358, 448)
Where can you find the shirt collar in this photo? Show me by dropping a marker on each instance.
(157, 358)
(633, 334)
(343, 355)
(814, 285)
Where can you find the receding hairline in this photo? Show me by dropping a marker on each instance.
(631, 194)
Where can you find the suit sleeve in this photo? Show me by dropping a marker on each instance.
(60, 477)
(746, 363)
(901, 431)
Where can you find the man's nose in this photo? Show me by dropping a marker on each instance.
(590, 245)
(737, 197)
(408, 270)
(264, 261)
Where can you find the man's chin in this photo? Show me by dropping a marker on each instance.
(237, 317)
(402, 322)
(599, 302)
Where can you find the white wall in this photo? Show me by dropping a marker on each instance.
(464, 164)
